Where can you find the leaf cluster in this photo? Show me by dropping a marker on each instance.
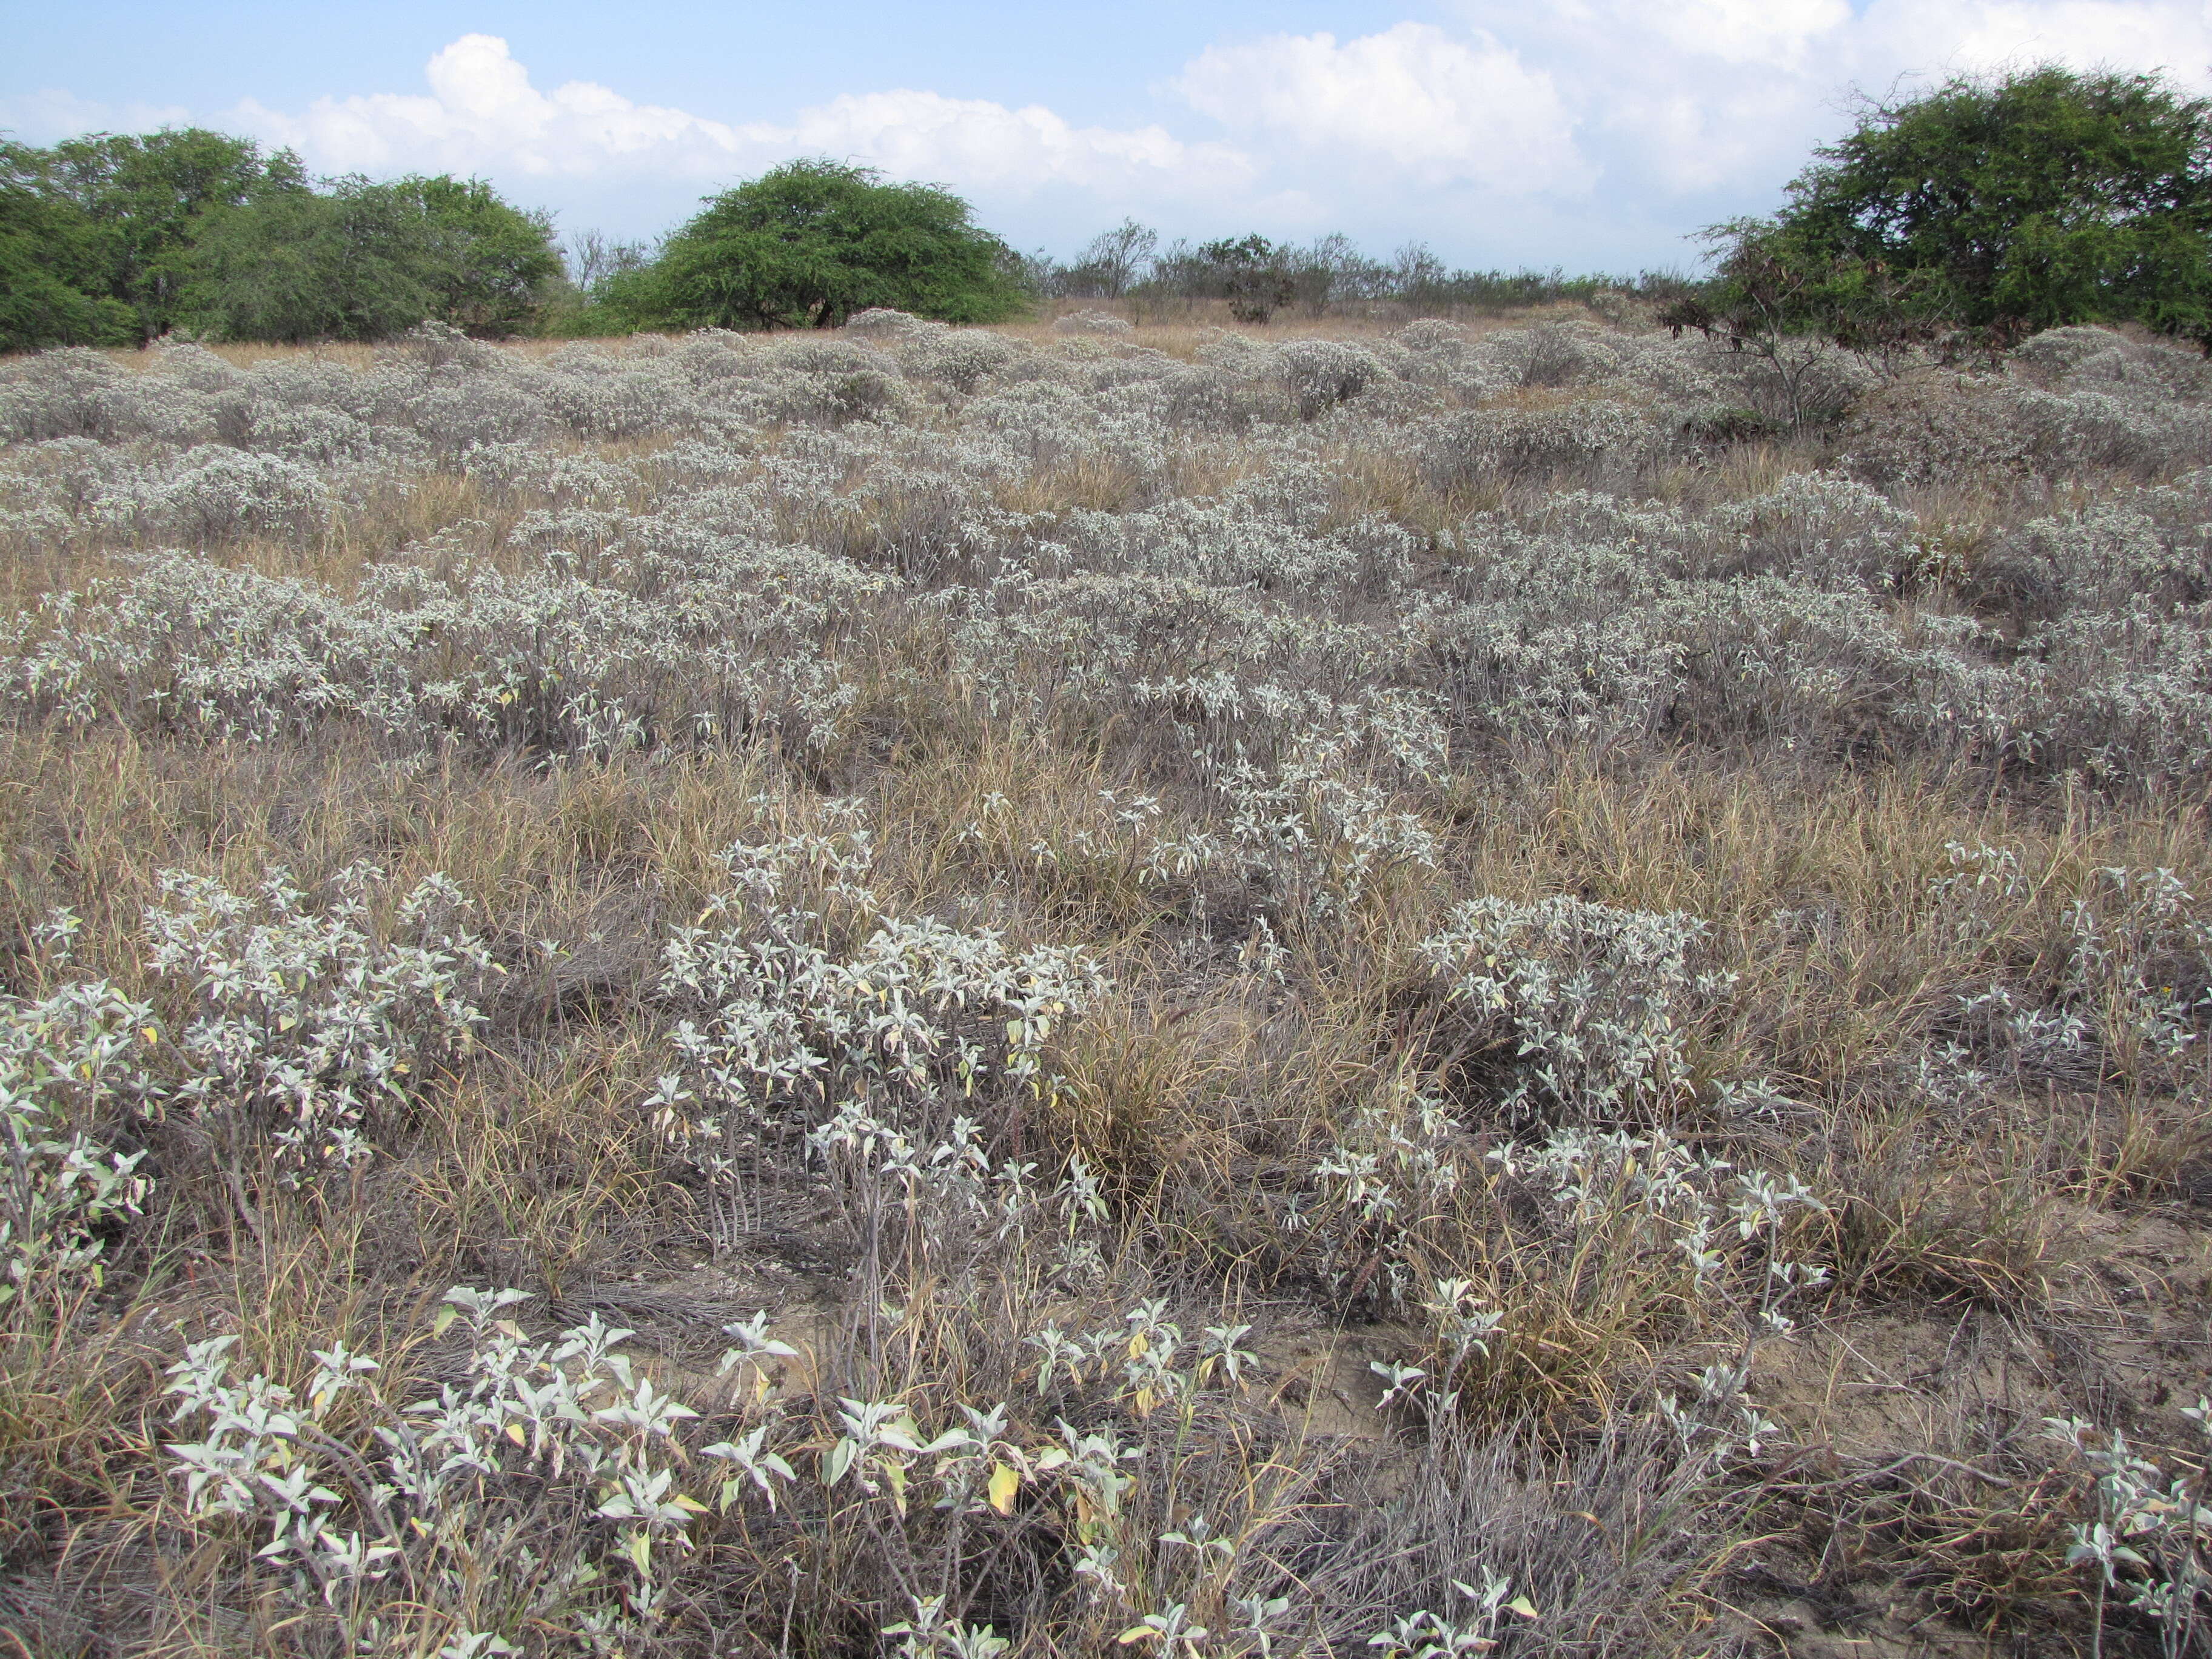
(808, 244)
(363, 261)
(117, 239)
(98, 231)
(1982, 212)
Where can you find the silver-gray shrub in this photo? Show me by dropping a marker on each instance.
(2085, 358)
(305, 1023)
(74, 1074)
(2053, 421)
(1443, 356)
(76, 393)
(2121, 976)
(598, 394)
(1556, 354)
(2152, 543)
(545, 661)
(1929, 426)
(698, 592)
(1322, 373)
(1817, 528)
(884, 323)
(1265, 533)
(1588, 438)
(316, 437)
(1579, 1013)
(2088, 430)
(1090, 321)
(212, 494)
(431, 344)
(960, 360)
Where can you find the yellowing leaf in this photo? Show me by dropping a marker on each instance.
(1006, 1481)
(514, 1433)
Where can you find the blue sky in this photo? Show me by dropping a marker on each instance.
(1593, 134)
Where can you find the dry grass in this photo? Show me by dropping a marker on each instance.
(1270, 1012)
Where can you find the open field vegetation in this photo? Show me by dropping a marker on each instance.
(1404, 991)
(122, 239)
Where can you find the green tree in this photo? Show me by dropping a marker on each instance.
(1986, 209)
(1253, 274)
(813, 241)
(52, 274)
(364, 261)
(352, 264)
(138, 201)
(491, 263)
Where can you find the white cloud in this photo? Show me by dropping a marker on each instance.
(1581, 131)
(1706, 97)
(988, 146)
(1772, 34)
(483, 115)
(1437, 109)
(1937, 36)
(50, 113)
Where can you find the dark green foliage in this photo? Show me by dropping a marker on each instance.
(813, 241)
(364, 261)
(488, 263)
(350, 264)
(52, 274)
(115, 239)
(1983, 212)
(1258, 277)
(1255, 276)
(603, 288)
(119, 213)
(1439, 289)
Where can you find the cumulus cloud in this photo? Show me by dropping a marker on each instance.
(1436, 108)
(1581, 131)
(1767, 33)
(988, 146)
(1985, 35)
(1702, 97)
(42, 117)
(483, 114)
